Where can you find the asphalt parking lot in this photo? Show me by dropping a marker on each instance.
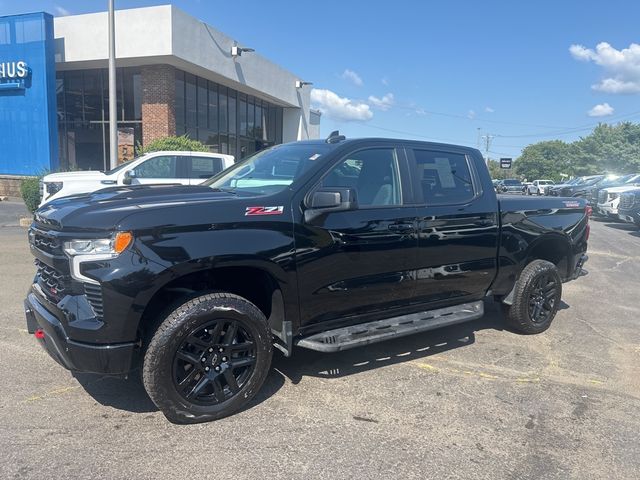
(470, 401)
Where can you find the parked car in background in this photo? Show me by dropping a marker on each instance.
(610, 182)
(579, 189)
(551, 190)
(186, 168)
(525, 187)
(609, 199)
(510, 185)
(538, 187)
(629, 206)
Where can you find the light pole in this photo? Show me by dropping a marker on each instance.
(113, 109)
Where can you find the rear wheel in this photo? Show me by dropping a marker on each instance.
(208, 358)
(536, 298)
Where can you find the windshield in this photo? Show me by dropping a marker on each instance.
(592, 181)
(269, 171)
(512, 182)
(545, 182)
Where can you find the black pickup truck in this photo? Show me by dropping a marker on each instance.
(324, 244)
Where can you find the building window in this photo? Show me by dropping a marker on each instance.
(83, 117)
(225, 120)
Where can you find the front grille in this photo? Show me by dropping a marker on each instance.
(94, 296)
(602, 196)
(627, 200)
(54, 283)
(47, 244)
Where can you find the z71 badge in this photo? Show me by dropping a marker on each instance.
(252, 211)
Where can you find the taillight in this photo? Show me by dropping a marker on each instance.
(588, 210)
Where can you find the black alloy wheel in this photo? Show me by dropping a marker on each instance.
(542, 298)
(208, 358)
(214, 362)
(536, 298)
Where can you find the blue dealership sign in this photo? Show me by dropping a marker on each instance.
(28, 121)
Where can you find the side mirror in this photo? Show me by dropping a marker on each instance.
(330, 200)
(129, 175)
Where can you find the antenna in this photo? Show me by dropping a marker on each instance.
(335, 137)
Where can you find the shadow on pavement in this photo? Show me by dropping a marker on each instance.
(629, 227)
(405, 349)
(129, 394)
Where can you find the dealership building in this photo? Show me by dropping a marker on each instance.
(175, 76)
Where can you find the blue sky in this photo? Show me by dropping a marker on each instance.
(443, 71)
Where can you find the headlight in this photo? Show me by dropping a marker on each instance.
(53, 187)
(102, 246)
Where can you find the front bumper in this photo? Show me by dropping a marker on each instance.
(114, 359)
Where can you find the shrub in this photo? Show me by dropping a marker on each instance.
(182, 143)
(30, 191)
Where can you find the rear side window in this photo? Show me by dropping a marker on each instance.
(445, 177)
(205, 167)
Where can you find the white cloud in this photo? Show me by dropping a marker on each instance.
(384, 103)
(471, 114)
(340, 108)
(421, 111)
(61, 11)
(489, 109)
(352, 77)
(601, 110)
(385, 81)
(622, 67)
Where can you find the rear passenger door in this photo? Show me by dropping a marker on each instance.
(201, 168)
(457, 227)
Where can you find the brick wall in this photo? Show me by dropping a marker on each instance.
(10, 185)
(158, 102)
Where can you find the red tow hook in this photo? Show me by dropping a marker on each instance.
(39, 334)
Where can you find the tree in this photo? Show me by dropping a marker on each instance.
(182, 143)
(607, 149)
(548, 160)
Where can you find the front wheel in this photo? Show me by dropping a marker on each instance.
(536, 298)
(208, 358)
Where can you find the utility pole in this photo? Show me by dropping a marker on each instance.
(487, 144)
(113, 106)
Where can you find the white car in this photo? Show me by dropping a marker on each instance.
(186, 168)
(609, 198)
(538, 187)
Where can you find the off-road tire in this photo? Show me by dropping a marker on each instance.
(519, 313)
(158, 367)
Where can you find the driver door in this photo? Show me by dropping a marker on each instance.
(360, 261)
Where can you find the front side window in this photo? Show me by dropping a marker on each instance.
(445, 177)
(164, 166)
(372, 173)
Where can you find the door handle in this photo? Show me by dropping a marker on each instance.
(401, 227)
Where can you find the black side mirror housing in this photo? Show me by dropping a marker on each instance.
(330, 200)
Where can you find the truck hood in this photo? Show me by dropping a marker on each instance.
(70, 176)
(105, 209)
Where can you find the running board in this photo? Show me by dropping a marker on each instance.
(372, 332)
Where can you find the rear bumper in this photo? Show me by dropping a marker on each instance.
(112, 359)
